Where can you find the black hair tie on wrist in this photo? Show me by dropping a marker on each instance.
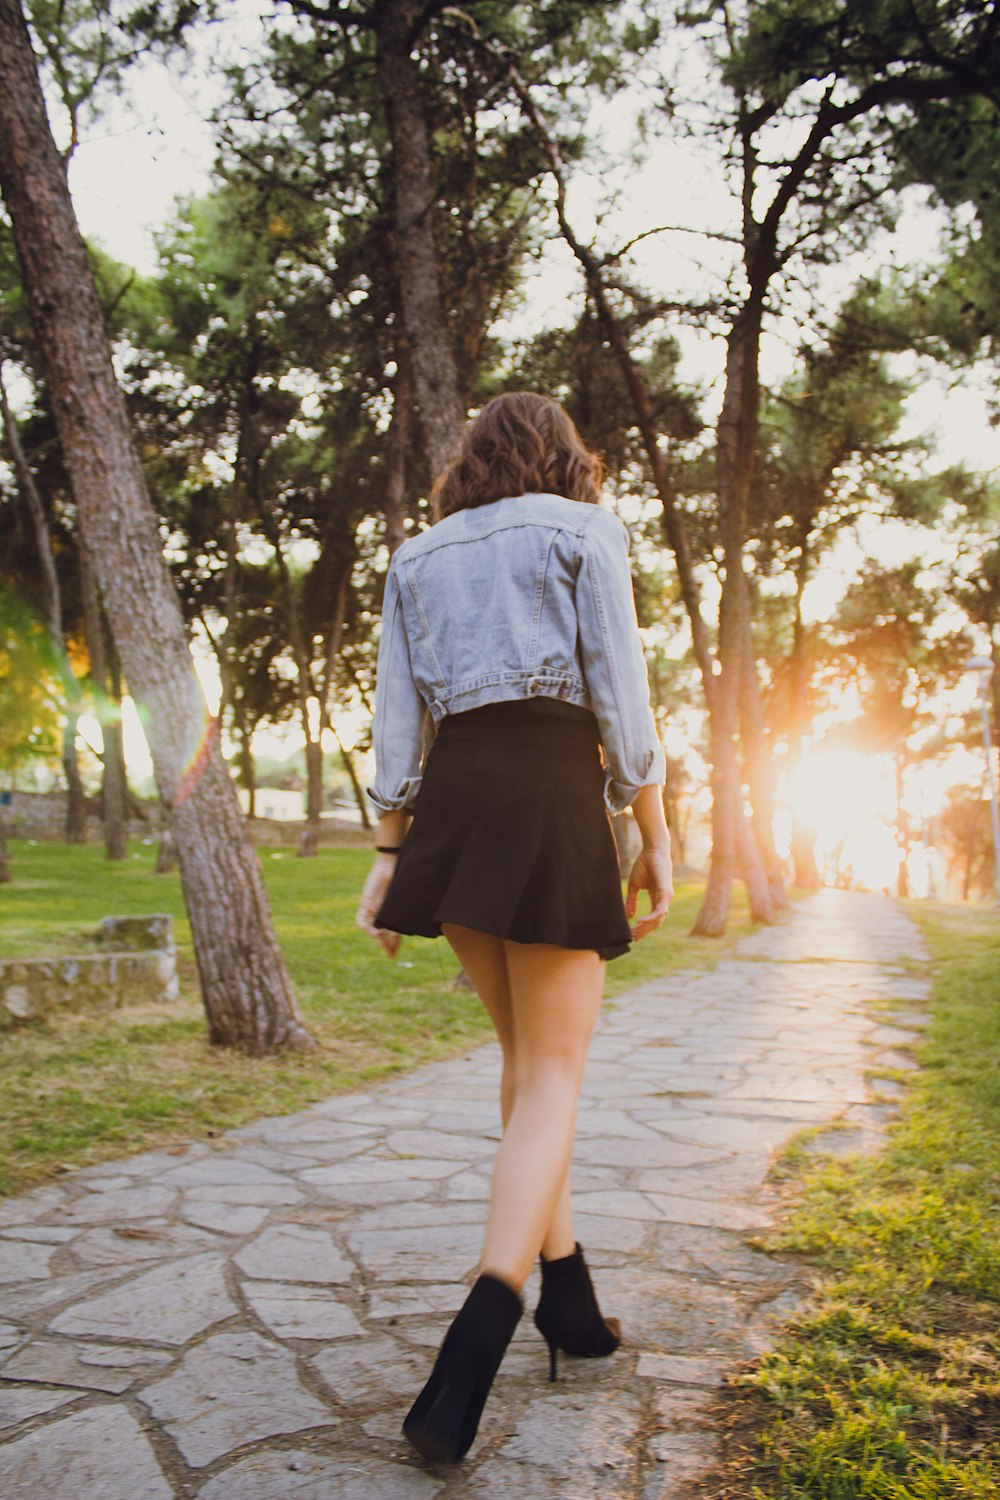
(383, 849)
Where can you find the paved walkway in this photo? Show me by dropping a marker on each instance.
(248, 1319)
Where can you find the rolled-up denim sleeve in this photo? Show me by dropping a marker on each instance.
(613, 663)
(398, 724)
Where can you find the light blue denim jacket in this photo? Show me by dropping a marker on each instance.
(526, 596)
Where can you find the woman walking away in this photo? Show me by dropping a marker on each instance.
(510, 646)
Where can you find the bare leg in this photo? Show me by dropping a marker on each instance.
(555, 997)
(544, 1002)
(484, 961)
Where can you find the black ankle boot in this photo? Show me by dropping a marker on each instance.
(444, 1419)
(567, 1315)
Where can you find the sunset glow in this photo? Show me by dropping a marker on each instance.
(849, 800)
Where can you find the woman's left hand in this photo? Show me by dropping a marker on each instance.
(652, 871)
(372, 896)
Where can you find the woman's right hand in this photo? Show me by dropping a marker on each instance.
(652, 872)
(374, 893)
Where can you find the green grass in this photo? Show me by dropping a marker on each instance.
(888, 1386)
(86, 1086)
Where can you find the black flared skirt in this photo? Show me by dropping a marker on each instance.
(511, 835)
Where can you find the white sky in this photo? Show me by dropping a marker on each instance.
(154, 143)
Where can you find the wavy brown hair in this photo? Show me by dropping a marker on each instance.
(519, 444)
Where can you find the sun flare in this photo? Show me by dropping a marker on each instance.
(848, 801)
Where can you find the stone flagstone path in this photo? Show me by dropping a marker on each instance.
(248, 1319)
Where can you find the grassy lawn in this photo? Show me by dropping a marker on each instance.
(888, 1387)
(87, 1086)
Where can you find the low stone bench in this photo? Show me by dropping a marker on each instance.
(136, 962)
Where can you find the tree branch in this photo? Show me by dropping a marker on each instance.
(334, 13)
(904, 89)
(708, 234)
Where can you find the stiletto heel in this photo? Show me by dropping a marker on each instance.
(567, 1315)
(443, 1421)
(553, 1356)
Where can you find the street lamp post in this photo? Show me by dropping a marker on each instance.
(983, 668)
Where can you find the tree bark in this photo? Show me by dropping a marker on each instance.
(438, 402)
(246, 989)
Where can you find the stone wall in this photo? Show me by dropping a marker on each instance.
(42, 815)
(137, 963)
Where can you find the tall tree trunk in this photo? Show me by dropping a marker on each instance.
(39, 523)
(759, 770)
(114, 789)
(677, 823)
(357, 788)
(735, 440)
(727, 819)
(246, 989)
(76, 804)
(75, 829)
(399, 447)
(902, 830)
(803, 836)
(309, 843)
(166, 855)
(248, 767)
(727, 792)
(803, 852)
(314, 748)
(431, 346)
(108, 704)
(312, 728)
(242, 728)
(246, 473)
(674, 528)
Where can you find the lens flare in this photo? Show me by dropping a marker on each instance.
(848, 802)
